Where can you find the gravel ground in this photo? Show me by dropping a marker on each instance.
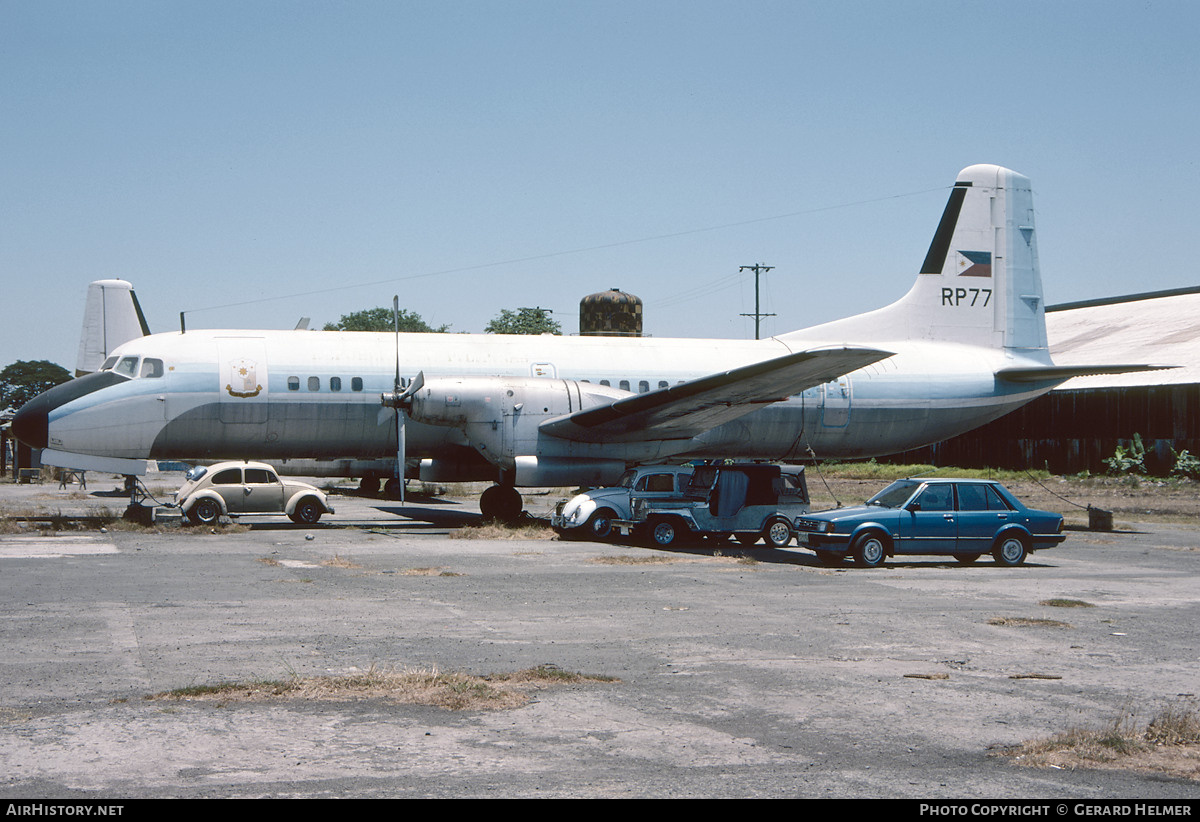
(740, 674)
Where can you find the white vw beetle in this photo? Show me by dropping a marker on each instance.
(591, 513)
(247, 488)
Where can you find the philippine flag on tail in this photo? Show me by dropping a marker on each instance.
(978, 264)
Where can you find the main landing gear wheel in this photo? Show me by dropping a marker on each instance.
(502, 502)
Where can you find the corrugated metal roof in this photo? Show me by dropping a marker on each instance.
(1143, 328)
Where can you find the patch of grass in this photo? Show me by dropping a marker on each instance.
(1168, 743)
(338, 561)
(1066, 603)
(501, 530)
(870, 469)
(429, 572)
(626, 559)
(1028, 622)
(454, 691)
(1176, 724)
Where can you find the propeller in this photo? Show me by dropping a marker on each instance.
(401, 400)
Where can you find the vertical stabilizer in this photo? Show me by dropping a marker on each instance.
(111, 317)
(980, 283)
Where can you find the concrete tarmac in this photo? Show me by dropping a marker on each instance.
(767, 677)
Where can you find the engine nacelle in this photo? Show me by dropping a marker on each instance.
(533, 471)
(500, 415)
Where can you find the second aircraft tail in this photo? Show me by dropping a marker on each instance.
(980, 283)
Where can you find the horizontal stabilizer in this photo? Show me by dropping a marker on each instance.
(691, 408)
(1062, 373)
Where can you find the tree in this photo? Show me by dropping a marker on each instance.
(22, 381)
(380, 319)
(524, 321)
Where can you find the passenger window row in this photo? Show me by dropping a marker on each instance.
(642, 387)
(314, 384)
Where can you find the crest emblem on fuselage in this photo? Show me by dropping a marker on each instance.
(243, 379)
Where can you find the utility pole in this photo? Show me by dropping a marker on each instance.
(758, 269)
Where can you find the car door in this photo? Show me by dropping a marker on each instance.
(228, 484)
(929, 525)
(262, 492)
(981, 513)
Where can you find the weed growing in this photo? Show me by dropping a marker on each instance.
(1168, 743)
(454, 691)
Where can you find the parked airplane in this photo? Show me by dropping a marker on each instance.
(112, 316)
(964, 346)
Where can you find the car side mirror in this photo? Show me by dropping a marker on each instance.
(913, 506)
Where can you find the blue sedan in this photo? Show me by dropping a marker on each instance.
(954, 517)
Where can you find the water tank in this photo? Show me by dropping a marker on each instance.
(611, 313)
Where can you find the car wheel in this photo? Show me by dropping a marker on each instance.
(747, 539)
(830, 558)
(868, 550)
(665, 532)
(307, 511)
(599, 525)
(205, 512)
(778, 533)
(1010, 551)
(966, 559)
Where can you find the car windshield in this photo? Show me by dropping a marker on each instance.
(626, 480)
(895, 494)
(196, 473)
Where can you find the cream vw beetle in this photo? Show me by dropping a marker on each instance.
(247, 488)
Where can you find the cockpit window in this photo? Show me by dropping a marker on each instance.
(108, 364)
(152, 367)
(127, 367)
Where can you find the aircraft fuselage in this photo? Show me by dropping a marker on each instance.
(299, 394)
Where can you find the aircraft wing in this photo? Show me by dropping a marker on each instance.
(1061, 373)
(691, 408)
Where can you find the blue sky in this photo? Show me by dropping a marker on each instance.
(254, 162)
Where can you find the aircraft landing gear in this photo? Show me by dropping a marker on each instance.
(137, 511)
(502, 502)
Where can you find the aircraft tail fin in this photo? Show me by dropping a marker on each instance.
(980, 283)
(111, 316)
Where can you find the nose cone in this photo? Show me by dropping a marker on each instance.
(31, 425)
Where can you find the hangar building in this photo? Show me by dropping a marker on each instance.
(1079, 424)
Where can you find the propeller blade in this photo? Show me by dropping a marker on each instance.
(400, 414)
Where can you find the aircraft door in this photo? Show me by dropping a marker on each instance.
(835, 412)
(242, 370)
